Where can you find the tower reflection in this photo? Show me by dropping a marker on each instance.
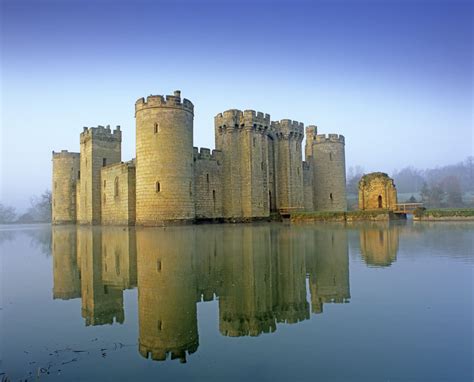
(258, 273)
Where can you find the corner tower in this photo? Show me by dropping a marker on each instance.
(164, 164)
(65, 175)
(329, 179)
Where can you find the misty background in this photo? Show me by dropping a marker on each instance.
(394, 77)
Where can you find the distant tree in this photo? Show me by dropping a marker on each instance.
(39, 210)
(436, 195)
(452, 187)
(353, 176)
(408, 179)
(425, 193)
(7, 214)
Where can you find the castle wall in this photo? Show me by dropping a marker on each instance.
(308, 191)
(241, 138)
(164, 164)
(99, 147)
(65, 175)
(311, 132)
(118, 194)
(329, 173)
(207, 184)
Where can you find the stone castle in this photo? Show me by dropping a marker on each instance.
(256, 169)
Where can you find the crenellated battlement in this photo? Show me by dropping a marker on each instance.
(206, 154)
(247, 119)
(286, 128)
(101, 133)
(170, 101)
(329, 138)
(65, 154)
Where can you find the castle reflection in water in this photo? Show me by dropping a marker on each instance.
(258, 273)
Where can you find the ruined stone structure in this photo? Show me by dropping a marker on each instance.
(256, 169)
(377, 191)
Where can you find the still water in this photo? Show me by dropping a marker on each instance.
(369, 302)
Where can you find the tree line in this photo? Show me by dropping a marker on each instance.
(39, 211)
(446, 186)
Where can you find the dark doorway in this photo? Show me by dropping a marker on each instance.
(380, 201)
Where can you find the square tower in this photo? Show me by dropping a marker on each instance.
(99, 147)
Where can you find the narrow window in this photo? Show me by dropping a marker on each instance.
(106, 289)
(155, 128)
(157, 187)
(158, 325)
(104, 162)
(207, 178)
(190, 188)
(330, 156)
(330, 196)
(261, 166)
(105, 183)
(104, 198)
(158, 265)
(254, 142)
(214, 195)
(116, 187)
(79, 174)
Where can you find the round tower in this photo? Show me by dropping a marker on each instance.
(65, 175)
(164, 164)
(329, 164)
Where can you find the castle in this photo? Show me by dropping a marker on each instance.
(256, 169)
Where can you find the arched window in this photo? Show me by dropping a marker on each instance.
(116, 187)
(379, 199)
(155, 128)
(330, 196)
(157, 187)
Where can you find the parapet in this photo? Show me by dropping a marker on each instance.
(286, 128)
(169, 101)
(206, 154)
(249, 119)
(102, 133)
(329, 138)
(65, 154)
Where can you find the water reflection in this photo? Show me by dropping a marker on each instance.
(379, 244)
(258, 273)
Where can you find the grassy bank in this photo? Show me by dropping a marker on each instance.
(444, 214)
(330, 216)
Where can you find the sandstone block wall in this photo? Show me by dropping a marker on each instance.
(329, 177)
(208, 186)
(308, 186)
(118, 194)
(164, 163)
(65, 175)
(377, 191)
(66, 275)
(99, 147)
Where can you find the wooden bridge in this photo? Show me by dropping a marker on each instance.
(406, 208)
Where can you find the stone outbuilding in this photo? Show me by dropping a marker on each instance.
(377, 191)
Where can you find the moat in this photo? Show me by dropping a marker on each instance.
(269, 301)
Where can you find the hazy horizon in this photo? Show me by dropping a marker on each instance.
(395, 78)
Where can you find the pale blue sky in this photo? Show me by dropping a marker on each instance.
(395, 77)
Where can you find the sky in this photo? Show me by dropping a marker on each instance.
(394, 77)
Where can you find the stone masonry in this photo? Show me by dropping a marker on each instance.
(256, 169)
